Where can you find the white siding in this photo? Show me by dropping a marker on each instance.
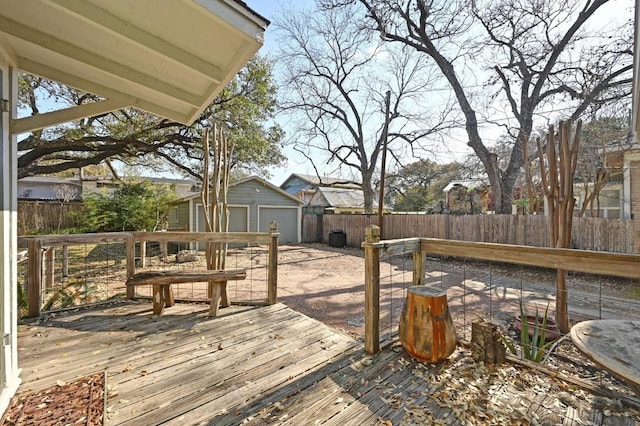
(9, 371)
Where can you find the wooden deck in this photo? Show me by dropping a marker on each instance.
(272, 365)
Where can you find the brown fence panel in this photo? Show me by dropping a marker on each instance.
(45, 217)
(311, 233)
(612, 235)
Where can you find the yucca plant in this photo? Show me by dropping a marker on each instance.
(534, 347)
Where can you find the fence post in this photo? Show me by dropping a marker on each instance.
(272, 284)
(418, 267)
(131, 263)
(371, 290)
(35, 277)
(65, 262)
(49, 267)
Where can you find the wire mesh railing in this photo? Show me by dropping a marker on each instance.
(494, 282)
(64, 271)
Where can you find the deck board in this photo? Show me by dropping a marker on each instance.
(257, 366)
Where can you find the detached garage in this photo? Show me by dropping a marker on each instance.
(253, 204)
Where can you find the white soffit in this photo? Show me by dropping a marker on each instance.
(167, 57)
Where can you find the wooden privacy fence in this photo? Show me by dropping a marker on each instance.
(611, 235)
(41, 255)
(46, 216)
(613, 264)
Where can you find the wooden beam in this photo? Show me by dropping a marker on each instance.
(71, 51)
(418, 268)
(7, 51)
(38, 68)
(105, 19)
(40, 121)
(372, 290)
(216, 237)
(272, 279)
(71, 239)
(594, 262)
(34, 276)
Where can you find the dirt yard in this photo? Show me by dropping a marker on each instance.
(324, 283)
(327, 283)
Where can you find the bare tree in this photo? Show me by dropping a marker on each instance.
(534, 54)
(64, 193)
(336, 79)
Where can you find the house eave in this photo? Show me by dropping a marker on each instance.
(170, 59)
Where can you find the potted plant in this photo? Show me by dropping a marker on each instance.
(533, 336)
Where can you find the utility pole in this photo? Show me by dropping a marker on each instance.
(385, 133)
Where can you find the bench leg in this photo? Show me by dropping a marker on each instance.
(168, 296)
(216, 291)
(158, 299)
(224, 301)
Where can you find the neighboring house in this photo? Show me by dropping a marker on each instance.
(49, 188)
(340, 201)
(631, 188)
(55, 188)
(182, 187)
(253, 204)
(620, 196)
(609, 203)
(304, 186)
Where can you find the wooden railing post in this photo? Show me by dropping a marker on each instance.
(131, 263)
(418, 267)
(35, 277)
(49, 267)
(143, 254)
(65, 262)
(371, 290)
(272, 284)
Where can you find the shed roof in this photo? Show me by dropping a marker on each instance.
(342, 197)
(53, 180)
(167, 57)
(315, 180)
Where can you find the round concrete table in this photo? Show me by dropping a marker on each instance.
(614, 345)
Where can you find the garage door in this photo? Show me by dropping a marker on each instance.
(287, 222)
(238, 219)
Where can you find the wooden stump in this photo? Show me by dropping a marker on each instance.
(426, 329)
(486, 343)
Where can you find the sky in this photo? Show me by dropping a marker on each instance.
(269, 9)
(455, 150)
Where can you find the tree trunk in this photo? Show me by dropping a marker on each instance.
(557, 181)
(486, 343)
(562, 302)
(426, 329)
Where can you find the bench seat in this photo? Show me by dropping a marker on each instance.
(162, 280)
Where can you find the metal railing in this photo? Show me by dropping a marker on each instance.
(491, 295)
(72, 270)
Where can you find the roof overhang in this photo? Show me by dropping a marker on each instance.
(167, 57)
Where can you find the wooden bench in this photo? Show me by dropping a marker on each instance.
(162, 280)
